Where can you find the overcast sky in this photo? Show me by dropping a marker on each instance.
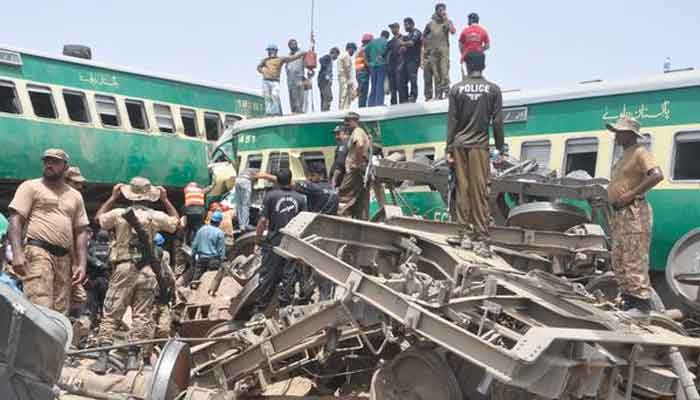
(534, 44)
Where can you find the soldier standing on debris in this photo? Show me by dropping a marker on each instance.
(271, 68)
(131, 283)
(54, 216)
(474, 105)
(436, 53)
(354, 191)
(280, 205)
(633, 175)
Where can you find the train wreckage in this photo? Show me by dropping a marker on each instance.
(416, 312)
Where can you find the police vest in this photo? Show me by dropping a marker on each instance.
(194, 196)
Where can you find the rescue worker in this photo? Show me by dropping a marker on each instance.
(346, 82)
(633, 175)
(295, 76)
(208, 248)
(271, 68)
(475, 104)
(194, 211)
(55, 221)
(436, 54)
(354, 192)
(241, 196)
(325, 78)
(341, 152)
(131, 284)
(362, 72)
(280, 205)
(162, 315)
(98, 275)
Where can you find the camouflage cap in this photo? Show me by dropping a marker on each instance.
(625, 124)
(73, 174)
(140, 189)
(56, 153)
(352, 116)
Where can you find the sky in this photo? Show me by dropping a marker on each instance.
(534, 44)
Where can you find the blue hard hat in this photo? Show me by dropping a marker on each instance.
(271, 46)
(159, 240)
(217, 217)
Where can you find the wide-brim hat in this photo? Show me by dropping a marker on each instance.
(140, 189)
(58, 154)
(73, 174)
(625, 124)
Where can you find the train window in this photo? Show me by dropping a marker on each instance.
(686, 148)
(164, 118)
(107, 110)
(9, 102)
(536, 150)
(231, 120)
(76, 105)
(617, 150)
(254, 161)
(189, 121)
(420, 155)
(581, 155)
(278, 161)
(42, 101)
(314, 161)
(137, 114)
(212, 124)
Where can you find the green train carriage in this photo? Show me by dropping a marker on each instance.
(114, 122)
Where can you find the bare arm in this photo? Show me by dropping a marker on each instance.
(109, 204)
(498, 122)
(15, 236)
(452, 28)
(259, 230)
(260, 66)
(79, 268)
(266, 176)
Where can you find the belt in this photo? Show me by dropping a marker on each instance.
(57, 251)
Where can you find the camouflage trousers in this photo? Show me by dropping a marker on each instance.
(472, 170)
(129, 287)
(47, 279)
(354, 195)
(631, 234)
(436, 72)
(163, 318)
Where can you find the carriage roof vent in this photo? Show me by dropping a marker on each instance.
(78, 51)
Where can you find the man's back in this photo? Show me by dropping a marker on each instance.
(280, 206)
(473, 104)
(151, 220)
(473, 38)
(209, 241)
(325, 74)
(374, 51)
(320, 196)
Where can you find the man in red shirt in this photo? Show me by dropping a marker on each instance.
(473, 37)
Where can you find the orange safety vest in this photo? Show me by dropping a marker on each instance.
(194, 196)
(360, 61)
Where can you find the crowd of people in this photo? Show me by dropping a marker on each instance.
(384, 65)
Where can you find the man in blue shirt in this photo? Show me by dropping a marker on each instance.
(208, 247)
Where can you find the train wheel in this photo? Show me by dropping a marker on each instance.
(415, 374)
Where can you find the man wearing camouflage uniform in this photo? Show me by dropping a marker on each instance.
(129, 285)
(633, 175)
(353, 191)
(436, 53)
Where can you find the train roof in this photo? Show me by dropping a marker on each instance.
(129, 70)
(666, 81)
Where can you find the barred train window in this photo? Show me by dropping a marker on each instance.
(42, 101)
(254, 161)
(9, 102)
(212, 124)
(686, 147)
(581, 154)
(538, 150)
(164, 118)
(189, 121)
(314, 161)
(107, 110)
(137, 114)
(278, 161)
(76, 105)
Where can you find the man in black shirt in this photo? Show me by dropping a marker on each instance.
(320, 195)
(393, 57)
(325, 78)
(280, 206)
(341, 151)
(411, 44)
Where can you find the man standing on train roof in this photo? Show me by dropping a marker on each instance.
(354, 191)
(474, 37)
(280, 206)
(346, 81)
(436, 53)
(393, 59)
(375, 52)
(295, 77)
(54, 216)
(341, 152)
(131, 284)
(325, 78)
(271, 68)
(633, 175)
(362, 71)
(475, 104)
(411, 47)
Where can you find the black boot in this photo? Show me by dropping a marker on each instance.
(100, 365)
(132, 359)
